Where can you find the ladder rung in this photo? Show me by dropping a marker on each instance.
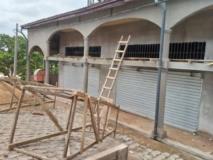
(109, 77)
(119, 60)
(116, 69)
(123, 42)
(109, 88)
(106, 99)
(120, 51)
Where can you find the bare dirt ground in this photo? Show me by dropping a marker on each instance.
(201, 141)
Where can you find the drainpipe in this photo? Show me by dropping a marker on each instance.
(15, 52)
(86, 65)
(157, 107)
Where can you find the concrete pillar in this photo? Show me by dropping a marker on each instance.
(86, 65)
(164, 74)
(46, 71)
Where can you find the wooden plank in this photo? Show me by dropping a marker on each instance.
(84, 123)
(77, 153)
(70, 112)
(11, 146)
(116, 122)
(105, 120)
(34, 155)
(116, 153)
(13, 95)
(53, 118)
(94, 124)
(16, 116)
(71, 120)
(43, 137)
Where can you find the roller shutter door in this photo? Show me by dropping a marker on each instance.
(136, 93)
(183, 100)
(93, 81)
(72, 76)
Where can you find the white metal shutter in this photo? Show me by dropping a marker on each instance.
(93, 81)
(183, 100)
(72, 76)
(136, 91)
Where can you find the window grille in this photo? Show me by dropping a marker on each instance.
(94, 51)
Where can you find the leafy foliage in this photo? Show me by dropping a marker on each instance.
(7, 56)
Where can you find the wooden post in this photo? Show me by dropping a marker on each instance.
(16, 116)
(94, 124)
(116, 121)
(13, 93)
(54, 103)
(70, 112)
(67, 140)
(84, 123)
(105, 122)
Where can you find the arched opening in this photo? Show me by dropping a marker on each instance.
(66, 43)
(192, 37)
(135, 89)
(36, 57)
(144, 42)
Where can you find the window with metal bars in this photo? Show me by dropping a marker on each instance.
(94, 51)
(142, 51)
(187, 50)
(182, 50)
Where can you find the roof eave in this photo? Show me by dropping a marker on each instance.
(76, 13)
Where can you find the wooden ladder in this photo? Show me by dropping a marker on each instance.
(114, 68)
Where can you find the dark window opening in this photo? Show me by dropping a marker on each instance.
(187, 50)
(184, 50)
(74, 51)
(142, 51)
(94, 51)
(55, 44)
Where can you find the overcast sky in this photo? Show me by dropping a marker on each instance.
(24, 11)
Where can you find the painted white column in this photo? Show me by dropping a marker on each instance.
(164, 74)
(86, 65)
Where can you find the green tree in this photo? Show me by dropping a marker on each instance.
(7, 56)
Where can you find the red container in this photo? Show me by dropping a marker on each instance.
(38, 75)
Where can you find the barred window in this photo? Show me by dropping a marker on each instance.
(94, 51)
(187, 50)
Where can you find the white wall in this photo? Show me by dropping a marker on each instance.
(196, 28)
(68, 39)
(142, 32)
(206, 112)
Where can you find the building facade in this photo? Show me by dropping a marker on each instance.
(88, 37)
